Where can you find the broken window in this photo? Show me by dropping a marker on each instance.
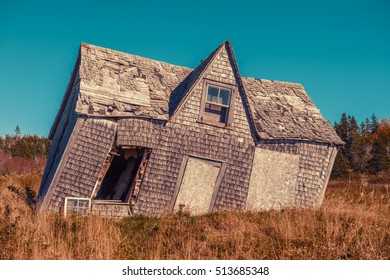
(124, 171)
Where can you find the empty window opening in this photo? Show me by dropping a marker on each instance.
(120, 178)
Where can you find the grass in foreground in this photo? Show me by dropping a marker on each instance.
(353, 223)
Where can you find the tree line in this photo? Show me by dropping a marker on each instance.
(26, 146)
(366, 148)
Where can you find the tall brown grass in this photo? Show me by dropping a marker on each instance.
(353, 223)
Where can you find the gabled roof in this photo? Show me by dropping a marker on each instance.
(117, 84)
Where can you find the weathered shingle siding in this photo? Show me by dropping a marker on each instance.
(160, 180)
(185, 135)
(111, 210)
(314, 164)
(219, 70)
(60, 140)
(139, 132)
(92, 141)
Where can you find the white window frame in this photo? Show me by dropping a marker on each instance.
(77, 207)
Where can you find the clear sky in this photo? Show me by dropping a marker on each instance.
(338, 50)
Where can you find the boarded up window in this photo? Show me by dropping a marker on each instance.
(197, 185)
(273, 180)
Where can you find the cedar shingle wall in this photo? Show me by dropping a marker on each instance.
(139, 132)
(184, 135)
(60, 140)
(314, 160)
(93, 140)
(171, 142)
(219, 70)
(118, 210)
(159, 183)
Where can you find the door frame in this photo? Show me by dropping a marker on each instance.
(181, 173)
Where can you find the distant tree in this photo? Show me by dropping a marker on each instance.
(21, 149)
(340, 167)
(352, 129)
(342, 127)
(17, 131)
(383, 132)
(368, 128)
(8, 142)
(358, 153)
(374, 123)
(351, 148)
(380, 159)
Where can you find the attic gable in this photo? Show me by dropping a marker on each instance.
(217, 74)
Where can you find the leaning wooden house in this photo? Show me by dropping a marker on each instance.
(135, 135)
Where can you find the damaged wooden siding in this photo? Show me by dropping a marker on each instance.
(159, 183)
(60, 139)
(110, 209)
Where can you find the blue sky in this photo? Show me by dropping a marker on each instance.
(338, 50)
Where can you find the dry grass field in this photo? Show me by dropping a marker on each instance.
(353, 223)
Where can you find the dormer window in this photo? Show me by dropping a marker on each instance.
(217, 104)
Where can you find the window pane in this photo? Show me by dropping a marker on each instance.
(212, 94)
(215, 113)
(224, 96)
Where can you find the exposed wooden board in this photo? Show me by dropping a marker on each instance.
(136, 185)
(124, 180)
(217, 186)
(106, 95)
(179, 180)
